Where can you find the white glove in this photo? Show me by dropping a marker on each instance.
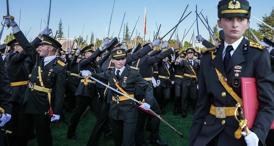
(199, 38)
(85, 73)
(4, 119)
(164, 45)
(158, 82)
(104, 44)
(156, 42)
(145, 106)
(55, 118)
(154, 83)
(47, 31)
(251, 139)
(172, 82)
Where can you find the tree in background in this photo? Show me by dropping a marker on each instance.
(264, 29)
(91, 38)
(126, 33)
(80, 42)
(9, 38)
(60, 33)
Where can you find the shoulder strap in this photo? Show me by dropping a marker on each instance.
(227, 87)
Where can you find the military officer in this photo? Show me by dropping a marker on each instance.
(18, 66)
(190, 67)
(86, 93)
(43, 98)
(123, 112)
(5, 105)
(214, 121)
(145, 67)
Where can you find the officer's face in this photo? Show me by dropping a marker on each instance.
(88, 54)
(43, 50)
(234, 28)
(190, 55)
(18, 48)
(119, 63)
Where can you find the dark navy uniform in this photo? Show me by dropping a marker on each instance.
(247, 61)
(189, 86)
(123, 112)
(164, 89)
(86, 92)
(45, 93)
(145, 67)
(4, 95)
(18, 66)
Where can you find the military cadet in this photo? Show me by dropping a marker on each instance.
(270, 48)
(72, 82)
(18, 65)
(190, 67)
(123, 112)
(5, 105)
(86, 92)
(214, 122)
(163, 90)
(145, 67)
(178, 84)
(43, 99)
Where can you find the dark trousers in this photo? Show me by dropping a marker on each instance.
(41, 124)
(189, 96)
(124, 131)
(270, 138)
(101, 124)
(2, 139)
(178, 88)
(163, 94)
(14, 124)
(82, 102)
(154, 125)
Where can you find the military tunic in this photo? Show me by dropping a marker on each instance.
(247, 61)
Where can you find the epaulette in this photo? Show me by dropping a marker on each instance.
(256, 45)
(208, 50)
(61, 63)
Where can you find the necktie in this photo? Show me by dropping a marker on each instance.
(227, 57)
(118, 74)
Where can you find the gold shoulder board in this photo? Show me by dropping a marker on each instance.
(256, 45)
(61, 63)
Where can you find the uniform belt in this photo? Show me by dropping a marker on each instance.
(179, 76)
(19, 83)
(121, 98)
(40, 88)
(190, 76)
(148, 78)
(86, 81)
(163, 77)
(222, 112)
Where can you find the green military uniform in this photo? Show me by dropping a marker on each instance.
(214, 123)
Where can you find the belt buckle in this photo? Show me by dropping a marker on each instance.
(220, 112)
